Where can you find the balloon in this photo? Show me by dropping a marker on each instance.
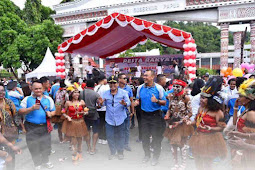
(57, 57)
(187, 49)
(187, 41)
(237, 72)
(185, 53)
(193, 49)
(186, 57)
(251, 70)
(185, 45)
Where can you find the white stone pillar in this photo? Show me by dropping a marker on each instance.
(252, 39)
(237, 53)
(224, 45)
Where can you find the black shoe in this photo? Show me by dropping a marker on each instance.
(154, 161)
(127, 148)
(146, 159)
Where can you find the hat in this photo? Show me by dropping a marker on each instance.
(207, 74)
(212, 86)
(180, 82)
(112, 79)
(247, 89)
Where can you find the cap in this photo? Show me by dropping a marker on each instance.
(207, 74)
(112, 79)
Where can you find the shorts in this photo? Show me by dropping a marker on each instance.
(92, 123)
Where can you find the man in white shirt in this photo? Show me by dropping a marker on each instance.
(89, 69)
(101, 88)
(116, 70)
(159, 69)
(138, 72)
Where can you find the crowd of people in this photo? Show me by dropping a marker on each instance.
(200, 118)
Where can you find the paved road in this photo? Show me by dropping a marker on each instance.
(99, 161)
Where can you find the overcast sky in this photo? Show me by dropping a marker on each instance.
(50, 3)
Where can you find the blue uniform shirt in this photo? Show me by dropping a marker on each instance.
(130, 94)
(144, 93)
(46, 93)
(15, 96)
(115, 112)
(37, 116)
(54, 89)
(165, 108)
(129, 90)
(231, 104)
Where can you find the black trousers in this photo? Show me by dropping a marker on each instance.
(101, 132)
(152, 125)
(138, 116)
(38, 142)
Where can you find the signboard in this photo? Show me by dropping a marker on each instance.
(150, 8)
(203, 2)
(237, 13)
(126, 65)
(82, 16)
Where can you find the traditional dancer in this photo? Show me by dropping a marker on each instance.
(207, 143)
(177, 116)
(61, 98)
(245, 125)
(74, 125)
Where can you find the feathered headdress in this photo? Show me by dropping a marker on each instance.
(247, 89)
(71, 87)
(212, 87)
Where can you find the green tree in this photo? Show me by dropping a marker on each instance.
(20, 43)
(32, 12)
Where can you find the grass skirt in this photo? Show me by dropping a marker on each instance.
(208, 145)
(178, 135)
(75, 128)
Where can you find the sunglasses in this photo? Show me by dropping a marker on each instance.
(113, 101)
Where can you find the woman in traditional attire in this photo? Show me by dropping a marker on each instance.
(61, 98)
(177, 117)
(207, 142)
(74, 125)
(245, 123)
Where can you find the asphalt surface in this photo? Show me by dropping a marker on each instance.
(99, 161)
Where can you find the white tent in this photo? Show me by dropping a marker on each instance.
(46, 68)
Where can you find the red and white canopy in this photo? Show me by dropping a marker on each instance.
(117, 33)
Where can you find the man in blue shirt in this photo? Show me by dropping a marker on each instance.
(152, 97)
(54, 89)
(116, 101)
(130, 111)
(36, 109)
(46, 85)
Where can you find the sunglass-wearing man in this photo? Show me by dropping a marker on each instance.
(116, 101)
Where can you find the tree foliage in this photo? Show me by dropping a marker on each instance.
(206, 35)
(25, 39)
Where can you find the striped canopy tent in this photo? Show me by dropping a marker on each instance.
(118, 32)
